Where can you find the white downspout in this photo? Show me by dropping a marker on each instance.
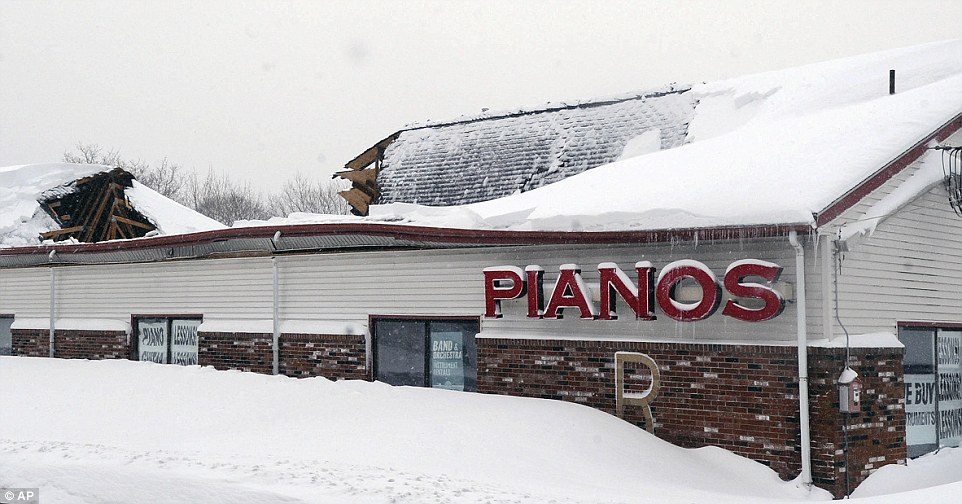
(277, 323)
(51, 256)
(802, 359)
(52, 294)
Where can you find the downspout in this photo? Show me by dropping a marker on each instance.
(277, 322)
(275, 345)
(802, 359)
(51, 256)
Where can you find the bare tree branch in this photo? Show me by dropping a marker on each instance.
(303, 195)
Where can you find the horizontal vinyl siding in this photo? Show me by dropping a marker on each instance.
(25, 292)
(910, 269)
(352, 286)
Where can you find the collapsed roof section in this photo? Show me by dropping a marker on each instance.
(494, 155)
(77, 203)
(94, 209)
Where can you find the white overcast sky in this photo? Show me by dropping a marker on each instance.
(262, 90)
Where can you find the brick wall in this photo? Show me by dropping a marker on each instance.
(332, 356)
(71, 344)
(876, 433)
(740, 397)
(243, 351)
(301, 355)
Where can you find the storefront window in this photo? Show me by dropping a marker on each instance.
(168, 340)
(933, 405)
(6, 338)
(426, 353)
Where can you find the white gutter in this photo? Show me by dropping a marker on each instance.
(802, 359)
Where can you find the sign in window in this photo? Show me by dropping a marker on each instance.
(933, 404)
(426, 353)
(168, 340)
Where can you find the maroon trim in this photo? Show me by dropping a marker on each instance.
(438, 318)
(888, 171)
(927, 325)
(427, 234)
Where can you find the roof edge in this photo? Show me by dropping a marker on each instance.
(885, 173)
(446, 236)
(666, 90)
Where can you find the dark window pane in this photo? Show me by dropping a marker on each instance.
(919, 350)
(400, 351)
(6, 339)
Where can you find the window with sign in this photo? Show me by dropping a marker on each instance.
(167, 340)
(6, 336)
(933, 388)
(438, 353)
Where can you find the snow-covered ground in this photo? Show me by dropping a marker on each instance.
(122, 431)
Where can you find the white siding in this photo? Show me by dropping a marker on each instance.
(909, 270)
(350, 286)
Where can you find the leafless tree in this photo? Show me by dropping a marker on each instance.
(217, 196)
(165, 177)
(224, 200)
(304, 195)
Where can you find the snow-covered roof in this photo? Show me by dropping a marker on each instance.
(22, 219)
(498, 154)
(773, 148)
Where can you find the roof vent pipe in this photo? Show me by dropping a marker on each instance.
(892, 82)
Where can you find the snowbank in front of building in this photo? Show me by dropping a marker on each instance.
(920, 480)
(140, 432)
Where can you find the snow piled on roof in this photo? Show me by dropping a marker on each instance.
(765, 149)
(22, 220)
(169, 216)
(770, 148)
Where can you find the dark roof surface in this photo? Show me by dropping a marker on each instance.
(486, 158)
(495, 155)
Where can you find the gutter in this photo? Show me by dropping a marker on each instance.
(800, 308)
(303, 238)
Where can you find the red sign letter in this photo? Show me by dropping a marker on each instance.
(736, 285)
(535, 276)
(495, 290)
(570, 292)
(614, 281)
(675, 273)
